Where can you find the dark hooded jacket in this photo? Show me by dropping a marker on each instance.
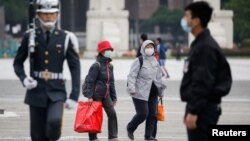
(100, 79)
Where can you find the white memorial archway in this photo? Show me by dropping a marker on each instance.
(107, 20)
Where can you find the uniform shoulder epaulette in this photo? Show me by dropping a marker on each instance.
(72, 37)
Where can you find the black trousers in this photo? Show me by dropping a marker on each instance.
(46, 122)
(145, 110)
(112, 119)
(209, 116)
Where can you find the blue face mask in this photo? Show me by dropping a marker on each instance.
(107, 54)
(185, 26)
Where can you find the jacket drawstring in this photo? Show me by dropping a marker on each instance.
(107, 83)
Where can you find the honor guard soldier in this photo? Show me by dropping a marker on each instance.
(45, 84)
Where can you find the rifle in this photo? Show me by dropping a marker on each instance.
(32, 33)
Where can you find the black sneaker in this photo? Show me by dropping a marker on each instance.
(150, 139)
(130, 134)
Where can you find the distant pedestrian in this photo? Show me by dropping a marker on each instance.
(143, 38)
(178, 52)
(101, 87)
(162, 50)
(207, 75)
(145, 86)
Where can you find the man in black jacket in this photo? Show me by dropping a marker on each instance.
(207, 75)
(45, 84)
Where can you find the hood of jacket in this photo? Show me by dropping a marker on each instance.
(144, 44)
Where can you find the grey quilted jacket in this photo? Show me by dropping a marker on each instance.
(140, 80)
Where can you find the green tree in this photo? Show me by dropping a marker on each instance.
(16, 11)
(241, 18)
(165, 16)
(223, 3)
(168, 20)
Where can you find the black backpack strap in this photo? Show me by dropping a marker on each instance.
(99, 64)
(141, 61)
(84, 85)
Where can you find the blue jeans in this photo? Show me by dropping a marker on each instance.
(162, 62)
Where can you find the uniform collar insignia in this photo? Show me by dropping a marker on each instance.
(56, 33)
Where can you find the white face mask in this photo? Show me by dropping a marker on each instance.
(108, 54)
(149, 51)
(48, 25)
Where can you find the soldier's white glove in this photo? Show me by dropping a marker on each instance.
(70, 104)
(29, 83)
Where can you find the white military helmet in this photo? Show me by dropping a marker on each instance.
(47, 6)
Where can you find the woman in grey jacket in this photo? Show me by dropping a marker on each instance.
(145, 85)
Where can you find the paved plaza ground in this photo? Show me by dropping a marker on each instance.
(14, 124)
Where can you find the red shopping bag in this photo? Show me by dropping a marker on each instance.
(89, 117)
